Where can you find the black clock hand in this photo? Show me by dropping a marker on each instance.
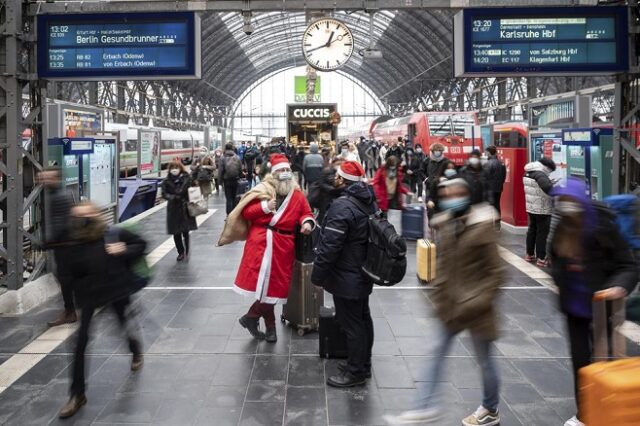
(316, 48)
(330, 38)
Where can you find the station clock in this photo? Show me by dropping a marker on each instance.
(327, 44)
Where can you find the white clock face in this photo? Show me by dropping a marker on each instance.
(327, 44)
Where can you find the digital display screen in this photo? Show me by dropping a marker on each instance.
(543, 41)
(132, 46)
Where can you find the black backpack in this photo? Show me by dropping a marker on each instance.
(314, 195)
(232, 167)
(386, 261)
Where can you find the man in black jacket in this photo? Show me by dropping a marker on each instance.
(496, 174)
(340, 254)
(230, 172)
(59, 203)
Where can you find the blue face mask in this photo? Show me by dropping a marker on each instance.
(456, 205)
(449, 173)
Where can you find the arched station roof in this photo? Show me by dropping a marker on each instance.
(411, 41)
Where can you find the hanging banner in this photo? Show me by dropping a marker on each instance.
(149, 151)
(300, 88)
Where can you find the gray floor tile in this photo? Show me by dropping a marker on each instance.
(266, 391)
(262, 414)
(270, 367)
(306, 371)
(305, 407)
(549, 377)
(220, 416)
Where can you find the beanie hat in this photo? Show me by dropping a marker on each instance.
(475, 152)
(279, 161)
(351, 170)
(437, 147)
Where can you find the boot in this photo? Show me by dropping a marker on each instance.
(270, 335)
(136, 362)
(343, 368)
(251, 324)
(65, 318)
(73, 406)
(346, 380)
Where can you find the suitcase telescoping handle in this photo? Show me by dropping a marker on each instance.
(601, 328)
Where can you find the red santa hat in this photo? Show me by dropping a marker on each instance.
(279, 161)
(351, 170)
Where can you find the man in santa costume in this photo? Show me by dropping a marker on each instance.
(268, 217)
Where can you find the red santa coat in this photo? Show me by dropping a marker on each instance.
(267, 260)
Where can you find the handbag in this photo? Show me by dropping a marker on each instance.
(195, 194)
(197, 208)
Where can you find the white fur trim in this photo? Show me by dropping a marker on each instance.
(265, 206)
(280, 166)
(252, 294)
(348, 176)
(480, 213)
(312, 220)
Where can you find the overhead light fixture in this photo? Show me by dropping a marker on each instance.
(370, 52)
(247, 26)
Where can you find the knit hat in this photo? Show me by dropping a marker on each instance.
(351, 170)
(437, 147)
(279, 161)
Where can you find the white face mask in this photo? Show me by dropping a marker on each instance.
(568, 208)
(174, 172)
(285, 176)
(474, 161)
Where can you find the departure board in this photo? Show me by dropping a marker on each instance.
(119, 46)
(534, 41)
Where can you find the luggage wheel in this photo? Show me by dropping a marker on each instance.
(282, 320)
(301, 332)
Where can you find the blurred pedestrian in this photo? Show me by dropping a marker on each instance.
(312, 165)
(230, 172)
(432, 169)
(388, 186)
(384, 148)
(202, 174)
(101, 275)
(298, 165)
(59, 203)
(217, 160)
(470, 273)
(175, 189)
(539, 204)
(251, 160)
(395, 150)
(475, 176)
(340, 253)
(496, 174)
(589, 257)
(268, 217)
(412, 168)
(329, 188)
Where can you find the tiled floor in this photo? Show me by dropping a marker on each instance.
(202, 368)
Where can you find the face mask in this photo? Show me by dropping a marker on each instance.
(285, 176)
(419, 150)
(437, 154)
(474, 161)
(568, 208)
(449, 173)
(392, 172)
(456, 205)
(174, 172)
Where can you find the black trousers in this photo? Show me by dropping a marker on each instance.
(581, 346)
(178, 240)
(495, 202)
(78, 384)
(537, 235)
(354, 317)
(230, 191)
(65, 279)
(217, 183)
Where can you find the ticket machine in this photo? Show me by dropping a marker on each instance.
(591, 149)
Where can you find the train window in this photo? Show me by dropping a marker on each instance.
(186, 144)
(461, 122)
(131, 145)
(167, 144)
(439, 125)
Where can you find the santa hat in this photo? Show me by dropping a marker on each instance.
(279, 161)
(351, 170)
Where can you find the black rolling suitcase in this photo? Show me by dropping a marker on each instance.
(333, 340)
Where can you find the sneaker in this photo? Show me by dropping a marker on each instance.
(414, 416)
(483, 417)
(529, 258)
(73, 406)
(541, 263)
(573, 421)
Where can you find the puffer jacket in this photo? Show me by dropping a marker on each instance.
(537, 186)
(312, 165)
(470, 271)
(342, 248)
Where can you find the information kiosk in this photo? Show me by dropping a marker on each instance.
(591, 150)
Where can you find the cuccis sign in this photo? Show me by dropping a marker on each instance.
(311, 112)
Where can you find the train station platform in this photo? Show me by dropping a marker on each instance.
(202, 368)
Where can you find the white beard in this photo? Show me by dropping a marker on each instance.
(284, 187)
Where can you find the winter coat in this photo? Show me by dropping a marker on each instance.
(121, 276)
(537, 186)
(328, 192)
(380, 188)
(298, 161)
(176, 191)
(607, 259)
(221, 168)
(202, 173)
(477, 181)
(413, 164)
(496, 174)
(60, 203)
(432, 171)
(312, 166)
(342, 248)
(470, 271)
(396, 151)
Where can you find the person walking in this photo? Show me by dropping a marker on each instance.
(101, 275)
(217, 161)
(382, 157)
(433, 169)
(464, 297)
(268, 217)
(312, 165)
(175, 189)
(202, 173)
(589, 257)
(496, 174)
(340, 253)
(412, 167)
(395, 150)
(539, 205)
(59, 203)
(388, 187)
(475, 176)
(230, 172)
(329, 188)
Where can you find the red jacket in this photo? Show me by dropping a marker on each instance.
(379, 183)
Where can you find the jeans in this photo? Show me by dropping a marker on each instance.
(78, 385)
(581, 348)
(230, 191)
(178, 240)
(354, 317)
(537, 235)
(490, 380)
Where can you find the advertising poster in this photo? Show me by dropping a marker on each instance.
(550, 146)
(77, 122)
(149, 152)
(300, 88)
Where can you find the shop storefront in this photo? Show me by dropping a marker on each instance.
(309, 123)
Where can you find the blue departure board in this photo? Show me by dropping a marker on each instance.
(536, 41)
(130, 46)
